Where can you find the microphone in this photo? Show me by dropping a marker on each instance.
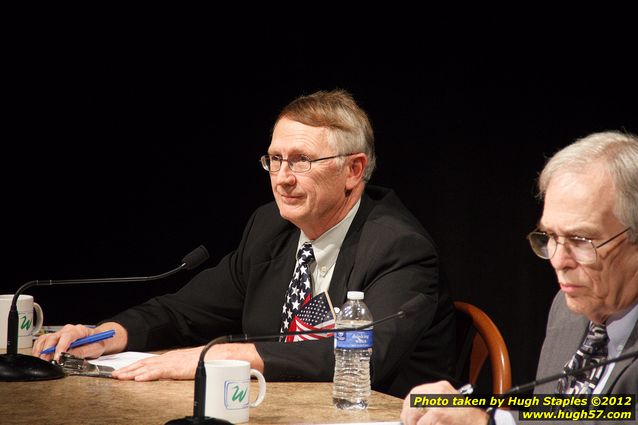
(20, 367)
(408, 309)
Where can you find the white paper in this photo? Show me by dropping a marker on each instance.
(119, 360)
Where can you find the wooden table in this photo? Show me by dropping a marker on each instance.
(87, 400)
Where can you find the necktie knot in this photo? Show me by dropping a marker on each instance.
(305, 255)
(595, 342)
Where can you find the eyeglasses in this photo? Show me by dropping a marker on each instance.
(296, 163)
(581, 249)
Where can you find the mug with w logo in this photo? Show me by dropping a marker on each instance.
(30, 319)
(228, 389)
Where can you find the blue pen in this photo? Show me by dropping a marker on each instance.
(83, 341)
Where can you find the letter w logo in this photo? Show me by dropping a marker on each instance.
(239, 394)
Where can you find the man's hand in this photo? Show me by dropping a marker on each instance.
(181, 364)
(440, 415)
(69, 333)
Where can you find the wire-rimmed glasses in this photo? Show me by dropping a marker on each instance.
(583, 250)
(296, 163)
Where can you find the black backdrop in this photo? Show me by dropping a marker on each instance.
(123, 151)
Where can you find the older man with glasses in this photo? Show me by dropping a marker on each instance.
(328, 231)
(589, 233)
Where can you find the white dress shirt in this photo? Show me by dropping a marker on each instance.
(326, 249)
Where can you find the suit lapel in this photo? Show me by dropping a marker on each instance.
(268, 284)
(284, 264)
(347, 254)
(564, 335)
(570, 339)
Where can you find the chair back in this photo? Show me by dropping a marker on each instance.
(477, 339)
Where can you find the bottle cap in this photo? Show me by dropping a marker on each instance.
(355, 295)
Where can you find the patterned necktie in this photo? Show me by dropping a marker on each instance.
(300, 289)
(592, 351)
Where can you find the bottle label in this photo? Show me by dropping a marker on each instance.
(354, 339)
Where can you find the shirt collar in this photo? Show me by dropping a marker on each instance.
(326, 247)
(619, 327)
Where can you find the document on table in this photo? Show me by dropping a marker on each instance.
(119, 360)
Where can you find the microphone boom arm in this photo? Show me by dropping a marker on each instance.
(13, 319)
(19, 367)
(192, 260)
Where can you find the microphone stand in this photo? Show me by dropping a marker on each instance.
(199, 402)
(22, 367)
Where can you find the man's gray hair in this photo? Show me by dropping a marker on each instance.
(348, 125)
(619, 154)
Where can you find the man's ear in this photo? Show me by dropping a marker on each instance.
(356, 165)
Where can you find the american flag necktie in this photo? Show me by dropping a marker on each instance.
(300, 289)
(592, 351)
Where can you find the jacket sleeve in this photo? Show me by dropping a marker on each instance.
(208, 306)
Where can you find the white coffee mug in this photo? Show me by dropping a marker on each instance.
(228, 389)
(26, 325)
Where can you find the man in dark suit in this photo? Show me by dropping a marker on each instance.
(589, 232)
(319, 160)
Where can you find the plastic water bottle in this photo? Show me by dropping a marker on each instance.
(353, 349)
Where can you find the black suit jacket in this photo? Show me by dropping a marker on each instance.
(386, 254)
